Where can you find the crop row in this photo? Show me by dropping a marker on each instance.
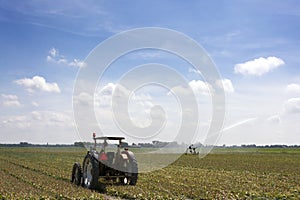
(284, 163)
(183, 182)
(45, 185)
(46, 173)
(14, 188)
(55, 164)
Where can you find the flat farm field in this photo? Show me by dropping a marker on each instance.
(44, 173)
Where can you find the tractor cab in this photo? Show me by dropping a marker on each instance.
(106, 155)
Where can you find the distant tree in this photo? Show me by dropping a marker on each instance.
(24, 144)
(78, 144)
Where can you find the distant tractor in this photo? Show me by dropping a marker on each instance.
(192, 150)
(119, 167)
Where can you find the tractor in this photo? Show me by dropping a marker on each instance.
(117, 167)
(192, 149)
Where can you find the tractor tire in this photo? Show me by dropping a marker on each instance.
(134, 172)
(90, 172)
(76, 177)
(132, 168)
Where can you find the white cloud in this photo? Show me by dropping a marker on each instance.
(55, 57)
(293, 88)
(39, 119)
(52, 117)
(103, 97)
(292, 105)
(77, 63)
(227, 85)
(259, 66)
(274, 119)
(20, 122)
(38, 83)
(49, 58)
(142, 99)
(139, 107)
(35, 104)
(62, 61)
(10, 100)
(53, 52)
(200, 87)
(142, 110)
(146, 54)
(40, 126)
(107, 89)
(204, 88)
(83, 99)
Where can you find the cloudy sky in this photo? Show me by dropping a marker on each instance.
(254, 44)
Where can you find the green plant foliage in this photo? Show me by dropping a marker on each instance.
(44, 173)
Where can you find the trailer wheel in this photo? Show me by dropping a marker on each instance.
(76, 177)
(90, 172)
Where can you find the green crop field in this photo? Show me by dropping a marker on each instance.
(44, 173)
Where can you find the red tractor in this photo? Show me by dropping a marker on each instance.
(120, 166)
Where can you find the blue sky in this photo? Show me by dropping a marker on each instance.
(255, 45)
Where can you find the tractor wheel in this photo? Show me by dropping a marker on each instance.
(132, 169)
(134, 172)
(76, 177)
(90, 172)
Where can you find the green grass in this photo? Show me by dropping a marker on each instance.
(226, 173)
